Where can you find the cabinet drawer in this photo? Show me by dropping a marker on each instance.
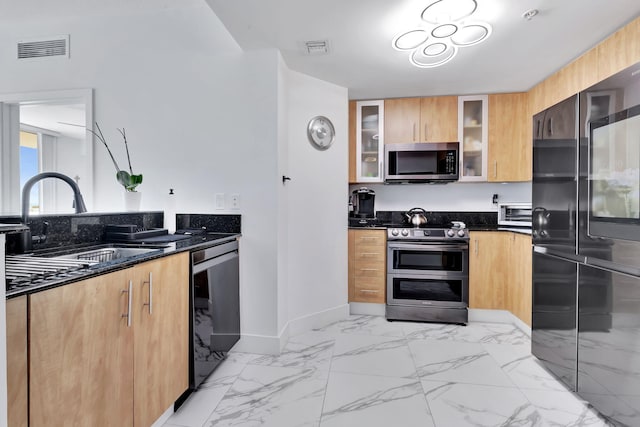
(370, 238)
(369, 269)
(369, 253)
(370, 289)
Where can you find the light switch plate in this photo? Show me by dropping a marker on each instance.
(219, 201)
(235, 201)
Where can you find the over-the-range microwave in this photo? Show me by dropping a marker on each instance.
(421, 162)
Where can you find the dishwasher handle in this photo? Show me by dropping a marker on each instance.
(205, 265)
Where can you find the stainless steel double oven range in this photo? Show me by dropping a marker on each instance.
(428, 274)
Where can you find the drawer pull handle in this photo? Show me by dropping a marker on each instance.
(369, 254)
(369, 269)
(128, 313)
(150, 303)
(369, 291)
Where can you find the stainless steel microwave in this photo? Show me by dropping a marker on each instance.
(421, 162)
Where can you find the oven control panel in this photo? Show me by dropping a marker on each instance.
(427, 233)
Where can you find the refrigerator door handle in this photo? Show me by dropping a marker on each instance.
(560, 255)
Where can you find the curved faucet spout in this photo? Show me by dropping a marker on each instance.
(26, 191)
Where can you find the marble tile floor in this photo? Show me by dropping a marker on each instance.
(365, 371)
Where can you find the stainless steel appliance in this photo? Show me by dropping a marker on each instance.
(363, 201)
(408, 163)
(428, 274)
(215, 294)
(586, 237)
(514, 214)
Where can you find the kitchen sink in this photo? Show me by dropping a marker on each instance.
(107, 253)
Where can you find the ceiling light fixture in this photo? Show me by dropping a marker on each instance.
(446, 28)
(529, 14)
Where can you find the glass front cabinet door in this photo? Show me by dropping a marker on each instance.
(369, 141)
(473, 130)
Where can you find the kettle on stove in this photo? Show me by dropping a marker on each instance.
(416, 216)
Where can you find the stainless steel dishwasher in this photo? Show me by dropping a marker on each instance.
(215, 301)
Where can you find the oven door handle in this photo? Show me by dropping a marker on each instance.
(433, 247)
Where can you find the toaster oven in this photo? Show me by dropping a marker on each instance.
(514, 214)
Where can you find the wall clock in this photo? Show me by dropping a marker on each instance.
(321, 132)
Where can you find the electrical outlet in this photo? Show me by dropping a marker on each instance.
(235, 201)
(494, 199)
(219, 201)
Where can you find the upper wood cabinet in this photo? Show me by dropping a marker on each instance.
(401, 120)
(510, 138)
(352, 142)
(116, 346)
(433, 119)
(369, 141)
(473, 123)
(439, 119)
(620, 50)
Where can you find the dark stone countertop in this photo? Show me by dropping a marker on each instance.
(193, 243)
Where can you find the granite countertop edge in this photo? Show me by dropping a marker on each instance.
(195, 243)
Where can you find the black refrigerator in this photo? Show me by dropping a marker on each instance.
(586, 244)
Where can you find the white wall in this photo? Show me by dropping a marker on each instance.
(474, 197)
(317, 204)
(201, 117)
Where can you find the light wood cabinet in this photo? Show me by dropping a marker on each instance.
(620, 50)
(432, 119)
(518, 296)
(81, 354)
(367, 266)
(439, 119)
(402, 120)
(500, 272)
(352, 142)
(17, 380)
(510, 138)
(161, 335)
(488, 269)
(111, 350)
(473, 134)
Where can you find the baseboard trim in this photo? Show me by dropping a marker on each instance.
(498, 316)
(318, 319)
(264, 344)
(367, 308)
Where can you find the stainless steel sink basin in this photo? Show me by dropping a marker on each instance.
(109, 253)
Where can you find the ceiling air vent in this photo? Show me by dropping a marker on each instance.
(316, 47)
(44, 47)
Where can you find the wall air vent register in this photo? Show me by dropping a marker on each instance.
(44, 47)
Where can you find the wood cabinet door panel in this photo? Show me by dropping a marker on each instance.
(17, 381)
(510, 138)
(369, 254)
(368, 269)
(161, 335)
(439, 119)
(81, 354)
(401, 120)
(488, 269)
(370, 289)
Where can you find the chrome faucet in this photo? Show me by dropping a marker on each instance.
(26, 191)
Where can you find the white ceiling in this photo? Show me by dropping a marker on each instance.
(518, 55)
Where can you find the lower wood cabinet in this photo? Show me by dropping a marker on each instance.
(17, 362)
(367, 265)
(500, 272)
(111, 350)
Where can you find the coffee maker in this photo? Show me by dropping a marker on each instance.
(362, 207)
